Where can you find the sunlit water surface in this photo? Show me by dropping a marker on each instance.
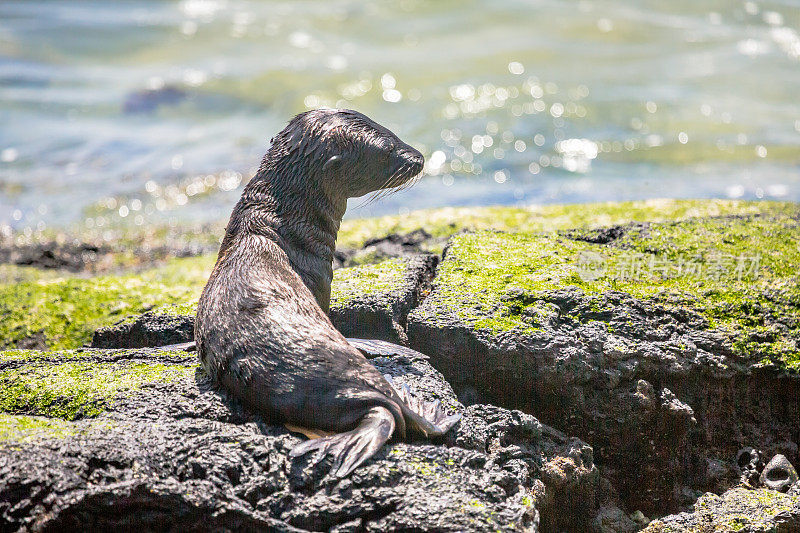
(147, 110)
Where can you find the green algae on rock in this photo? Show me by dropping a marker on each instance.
(595, 330)
(366, 280)
(740, 509)
(71, 385)
(64, 312)
(740, 273)
(181, 455)
(48, 309)
(675, 341)
(369, 301)
(444, 222)
(373, 301)
(23, 428)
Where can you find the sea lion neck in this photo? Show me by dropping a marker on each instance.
(300, 216)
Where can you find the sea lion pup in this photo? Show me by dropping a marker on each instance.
(262, 330)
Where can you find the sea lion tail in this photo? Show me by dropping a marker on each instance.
(352, 448)
(426, 418)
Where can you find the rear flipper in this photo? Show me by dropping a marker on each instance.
(376, 348)
(351, 449)
(427, 418)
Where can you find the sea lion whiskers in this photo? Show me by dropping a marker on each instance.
(408, 184)
(394, 188)
(385, 186)
(374, 194)
(390, 187)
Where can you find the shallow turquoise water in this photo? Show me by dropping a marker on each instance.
(144, 109)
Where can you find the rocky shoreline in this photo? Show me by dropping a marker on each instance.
(619, 366)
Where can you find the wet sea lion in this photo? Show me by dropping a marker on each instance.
(262, 330)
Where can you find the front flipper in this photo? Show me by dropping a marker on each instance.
(376, 348)
(351, 449)
(427, 418)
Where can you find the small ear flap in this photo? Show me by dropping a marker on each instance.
(333, 162)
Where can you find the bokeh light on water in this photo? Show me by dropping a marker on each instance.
(143, 110)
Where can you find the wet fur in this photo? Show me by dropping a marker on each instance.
(262, 330)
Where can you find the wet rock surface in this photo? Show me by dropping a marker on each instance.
(612, 519)
(407, 245)
(171, 452)
(89, 257)
(52, 255)
(654, 446)
(148, 100)
(779, 474)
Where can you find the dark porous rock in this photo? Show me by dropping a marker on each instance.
(612, 519)
(373, 301)
(148, 330)
(750, 465)
(407, 245)
(148, 100)
(605, 235)
(646, 435)
(566, 484)
(779, 474)
(665, 379)
(71, 254)
(141, 440)
(740, 509)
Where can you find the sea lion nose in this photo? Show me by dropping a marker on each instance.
(409, 157)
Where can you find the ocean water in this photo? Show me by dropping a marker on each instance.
(143, 110)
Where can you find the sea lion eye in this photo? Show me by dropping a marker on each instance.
(332, 162)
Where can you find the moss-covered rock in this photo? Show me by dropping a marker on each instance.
(25, 429)
(79, 384)
(666, 345)
(738, 273)
(351, 283)
(57, 310)
(445, 222)
(664, 333)
(373, 301)
(64, 312)
(369, 302)
(741, 509)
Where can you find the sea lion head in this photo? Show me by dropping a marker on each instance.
(346, 153)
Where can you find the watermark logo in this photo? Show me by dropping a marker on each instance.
(592, 266)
